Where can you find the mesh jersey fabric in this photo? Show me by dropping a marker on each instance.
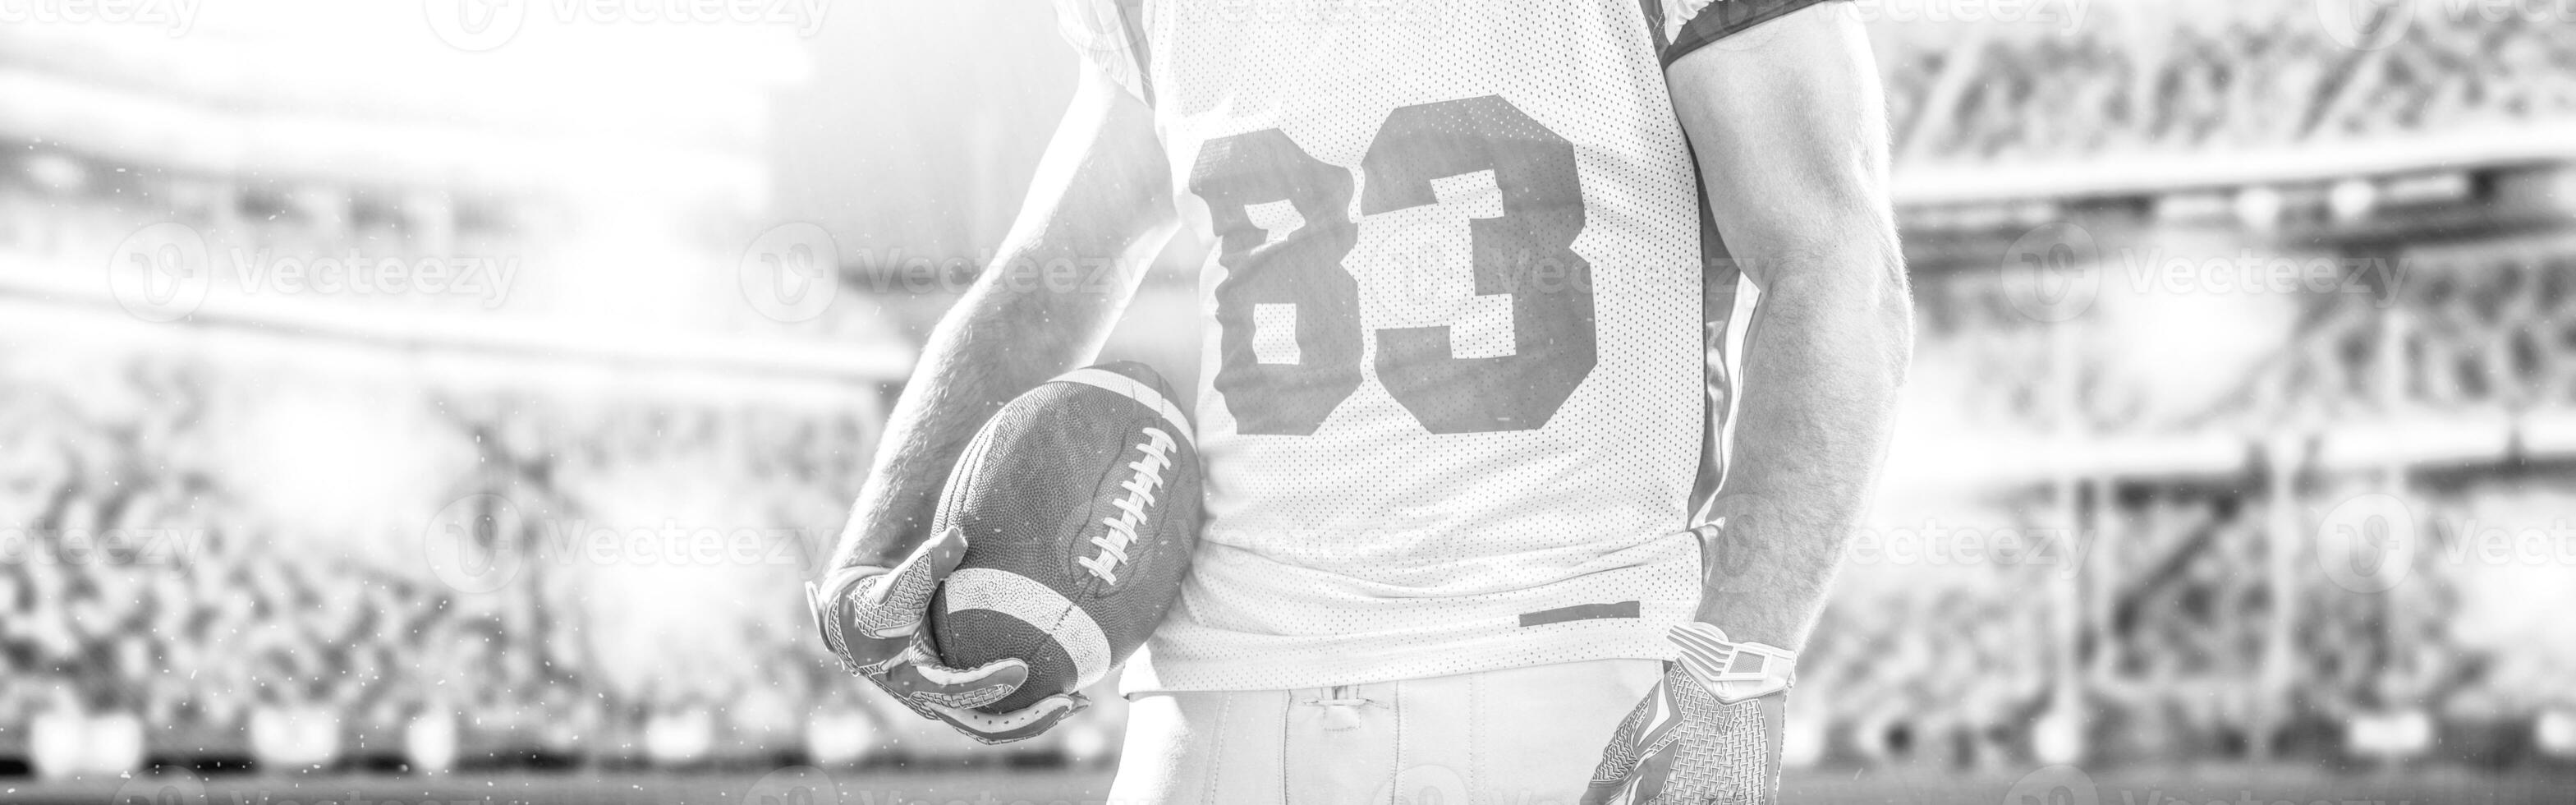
(1456, 389)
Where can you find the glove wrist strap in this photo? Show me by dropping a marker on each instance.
(826, 600)
(1733, 671)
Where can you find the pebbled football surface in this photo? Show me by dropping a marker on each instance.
(1080, 505)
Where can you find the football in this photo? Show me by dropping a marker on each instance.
(1080, 505)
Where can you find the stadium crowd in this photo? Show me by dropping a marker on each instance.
(2206, 77)
(233, 620)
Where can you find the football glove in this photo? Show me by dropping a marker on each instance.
(1708, 733)
(871, 619)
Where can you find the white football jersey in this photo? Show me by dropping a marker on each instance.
(1458, 384)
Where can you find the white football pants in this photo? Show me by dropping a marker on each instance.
(1519, 736)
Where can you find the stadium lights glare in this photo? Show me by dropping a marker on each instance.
(844, 736)
(2186, 327)
(295, 737)
(2390, 736)
(340, 463)
(2259, 208)
(429, 741)
(2353, 200)
(2556, 733)
(1803, 740)
(2059, 736)
(678, 739)
(70, 743)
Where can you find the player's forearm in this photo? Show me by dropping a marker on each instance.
(1823, 361)
(997, 344)
(1098, 211)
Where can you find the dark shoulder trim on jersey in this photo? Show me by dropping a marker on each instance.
(1655, 23)
(1131, 20)
(1721, 19)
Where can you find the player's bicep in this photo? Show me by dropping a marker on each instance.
(1103, 178)
(1789, 126)
(1100, 200)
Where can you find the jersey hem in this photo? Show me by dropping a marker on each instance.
(1631, 639)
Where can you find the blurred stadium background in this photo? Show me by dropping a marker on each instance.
(2240, 452)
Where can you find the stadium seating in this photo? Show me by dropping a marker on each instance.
(2174, 651)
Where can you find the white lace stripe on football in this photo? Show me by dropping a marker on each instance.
(1142, 393)
(1039, 606)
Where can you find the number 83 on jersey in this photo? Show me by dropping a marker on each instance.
(1525, 252)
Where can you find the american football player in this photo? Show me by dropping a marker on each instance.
(1550, 349)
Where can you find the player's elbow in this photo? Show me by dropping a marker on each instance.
(1891, 316)
(1852, 297)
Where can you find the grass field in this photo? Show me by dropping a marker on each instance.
(2194, 786)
